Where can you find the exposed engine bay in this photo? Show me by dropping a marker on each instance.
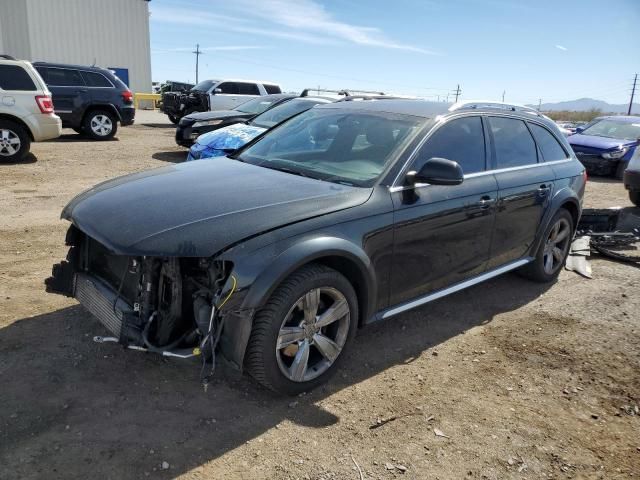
(164, 305)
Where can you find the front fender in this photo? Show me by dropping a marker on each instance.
(259, 274)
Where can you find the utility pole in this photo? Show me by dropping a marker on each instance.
(503, 92)
(458, 92)
(633, 92)
(198, 52)
(539, 103)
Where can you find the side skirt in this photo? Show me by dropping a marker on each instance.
(403, 307)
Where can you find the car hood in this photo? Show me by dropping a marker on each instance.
(590, 143)
(229, 138)
(217, 115)
(200, 208)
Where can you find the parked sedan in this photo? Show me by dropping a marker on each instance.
(195, 124)
(605, 145)
(631, 178)
(229, 139)
(275, 257)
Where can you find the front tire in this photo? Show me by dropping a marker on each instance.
(553, 250)
(173, 118)
(300, 336)
(14, 142)
(635, 197)
(100, 125)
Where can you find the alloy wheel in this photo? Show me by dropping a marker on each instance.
(556, 246)
(313, 334)
(101, 125)
(9, 142)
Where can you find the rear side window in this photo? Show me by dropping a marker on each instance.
(272, 89)
(513, 143)
(248, 89)
(14, 77)
(550, 147)
(93, 79)
(461, 140)
(228, 88)
(63, 77)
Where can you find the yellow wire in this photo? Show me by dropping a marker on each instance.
(233, 289)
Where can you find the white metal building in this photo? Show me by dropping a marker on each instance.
(108, 33)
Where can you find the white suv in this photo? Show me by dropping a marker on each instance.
(26, 109)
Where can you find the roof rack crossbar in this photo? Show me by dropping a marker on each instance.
(346, 92)
(514, 107)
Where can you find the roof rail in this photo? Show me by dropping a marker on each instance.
(514, 107)
(7, 57)
(349, 98)
(346, 92)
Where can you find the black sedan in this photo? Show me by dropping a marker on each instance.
(346, 214)
(195, 124)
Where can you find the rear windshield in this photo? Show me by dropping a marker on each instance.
(14, 77)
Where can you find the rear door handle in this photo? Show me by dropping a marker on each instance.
(543, 189)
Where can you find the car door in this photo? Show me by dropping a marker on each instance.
(246, 91)
(68, 91)
(225, 96)
(99, 87)
(442, 234)
(525, 186)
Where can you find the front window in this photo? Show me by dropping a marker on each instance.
(280, 113)
(614, 129)
(256, 106)
(348, 147)
(204, 86)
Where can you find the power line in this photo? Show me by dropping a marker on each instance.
(633, 92)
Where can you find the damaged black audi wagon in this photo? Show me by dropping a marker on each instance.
(346, 214)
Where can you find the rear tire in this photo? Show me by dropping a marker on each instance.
(635, 197)
(100, 125)
(300, 336)
(14, 141)
(553, 250)
(173, 119)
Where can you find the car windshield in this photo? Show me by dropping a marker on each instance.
(204, 86)
(280, 113)
(348, 147)
(614, 129)
(256, 105)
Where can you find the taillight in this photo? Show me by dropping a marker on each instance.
(45, 104)
(127, 96)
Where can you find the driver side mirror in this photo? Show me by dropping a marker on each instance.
(437, 171)
(217, 90)
(579, 129)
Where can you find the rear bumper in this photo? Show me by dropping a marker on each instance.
(631, 180)
(127, 116)
(44, 126)
(183, 136)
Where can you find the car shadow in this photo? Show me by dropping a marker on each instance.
(72, 407)
(29, 158)
(77, 137)
(603, 179)
(158, 125)
(171, 156)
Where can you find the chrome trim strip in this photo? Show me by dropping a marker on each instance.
(454, 288)
(401, 188)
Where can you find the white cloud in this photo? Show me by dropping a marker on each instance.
(560, 47)
(301, 20)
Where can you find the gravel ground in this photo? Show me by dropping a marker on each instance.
(508, 379)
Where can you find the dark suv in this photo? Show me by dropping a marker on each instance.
(90, 100)
(346, 214)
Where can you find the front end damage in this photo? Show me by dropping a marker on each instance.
(165, 305)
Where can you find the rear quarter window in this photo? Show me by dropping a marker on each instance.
(248, 89)
(550, 147)
(272, 89)
(14, 77)
(514, 145)
(64, 77)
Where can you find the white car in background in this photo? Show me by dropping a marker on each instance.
(26, 109)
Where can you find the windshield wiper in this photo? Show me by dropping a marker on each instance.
(285, 169)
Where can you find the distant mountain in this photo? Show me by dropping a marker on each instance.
(584, 104)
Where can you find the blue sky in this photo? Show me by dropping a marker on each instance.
(550, 49)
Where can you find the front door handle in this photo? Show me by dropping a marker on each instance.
(485, 202)
(543, 190)
(82, 90)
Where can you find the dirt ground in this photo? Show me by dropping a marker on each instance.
(509, 379)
